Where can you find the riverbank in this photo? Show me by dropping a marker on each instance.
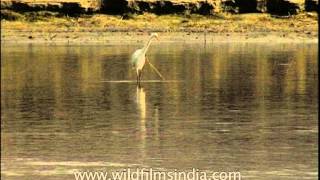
(12, 37)
(135, 28)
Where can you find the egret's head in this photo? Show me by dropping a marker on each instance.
(154, 35)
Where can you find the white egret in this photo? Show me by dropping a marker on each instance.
(138, 58)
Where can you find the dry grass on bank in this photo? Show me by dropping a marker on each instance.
(219, 23)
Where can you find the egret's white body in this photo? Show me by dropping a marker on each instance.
(138, 58)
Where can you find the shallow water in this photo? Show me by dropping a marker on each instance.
(250, 108)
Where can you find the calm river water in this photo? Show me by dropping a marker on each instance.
(241, 107)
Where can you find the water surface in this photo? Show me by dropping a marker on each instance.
(223, 107)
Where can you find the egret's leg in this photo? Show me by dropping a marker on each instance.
(140, 74)
(137, 73)
(139, 77)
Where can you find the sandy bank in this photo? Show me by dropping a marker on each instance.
(104, 29)
(19, 37)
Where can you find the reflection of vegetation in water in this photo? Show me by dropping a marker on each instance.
(78, 65)
(59, 102)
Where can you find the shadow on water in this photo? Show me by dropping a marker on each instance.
(233, 107)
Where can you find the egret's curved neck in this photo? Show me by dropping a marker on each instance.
(146, 47)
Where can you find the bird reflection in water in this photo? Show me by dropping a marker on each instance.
(142, 110)
(141, 106)
(141, 102)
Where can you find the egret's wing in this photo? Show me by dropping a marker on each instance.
(135, 57)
